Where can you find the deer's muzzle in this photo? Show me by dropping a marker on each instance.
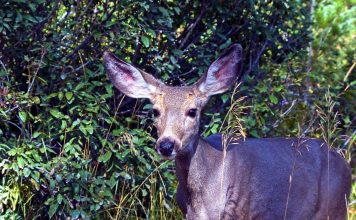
(165, 147)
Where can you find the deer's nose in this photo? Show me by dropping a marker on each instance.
(166, 147)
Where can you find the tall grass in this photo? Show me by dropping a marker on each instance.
(329, 128)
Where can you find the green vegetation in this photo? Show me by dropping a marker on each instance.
(72, 146)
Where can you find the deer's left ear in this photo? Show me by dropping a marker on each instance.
(222, 73)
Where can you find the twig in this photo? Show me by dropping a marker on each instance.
(189, 72)
(85, 10)
(51, 13)
(255, 62)
(349, 71)
(310, 126)
(10, 122)
(81, 66)
(349, 139)
(43, 52)
(4, 67)
(137, 50)
(179, 77)
(284, 113)
(10, 110)
(41, 24)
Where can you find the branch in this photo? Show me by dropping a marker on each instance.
(73, 70)
(86, 41)
(4, 67)
(192, 27)
(43, 52)
(255, 62)
(85, 10)
(40, 25)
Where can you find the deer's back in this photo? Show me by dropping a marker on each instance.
(278, 178)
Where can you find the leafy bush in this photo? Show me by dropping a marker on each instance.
(72, 146)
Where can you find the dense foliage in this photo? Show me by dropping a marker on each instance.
(72, 146)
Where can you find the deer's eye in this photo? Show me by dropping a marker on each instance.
(192, 112)
(156, 113)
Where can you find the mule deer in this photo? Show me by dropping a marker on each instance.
(272, 178)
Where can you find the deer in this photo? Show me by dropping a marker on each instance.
(265, 178)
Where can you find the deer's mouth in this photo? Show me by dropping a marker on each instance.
(172, 156)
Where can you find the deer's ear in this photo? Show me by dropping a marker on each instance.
(128, 79)
(222, 73)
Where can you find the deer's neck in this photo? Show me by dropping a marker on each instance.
(189, 164)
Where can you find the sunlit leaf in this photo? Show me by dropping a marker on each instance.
(145, 40)
(23, 116)
(105, 157)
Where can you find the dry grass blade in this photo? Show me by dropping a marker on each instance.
(232, 124)
(232, 129)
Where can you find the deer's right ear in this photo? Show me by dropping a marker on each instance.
(128, 79)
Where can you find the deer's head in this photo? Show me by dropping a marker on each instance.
(177, 109)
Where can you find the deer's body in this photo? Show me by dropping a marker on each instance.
(267, 179)
(275, 178)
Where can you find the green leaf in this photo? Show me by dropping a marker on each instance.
(69, 95)
(82, 129)
(52, 209)
(105, 193)
(23, 116)
(117, 132)
(254, 133)
(19, 18)
(163, 11)
(105, 157)
(89, 129)
(60, 95)
(36, 100)
(21, 162)
(63, 125)
(144, 192)
(278, 88)
(59, 199)
(173, 59)
(12, 152)
(177, 10)
(125, 175)
(145, 40)
(32, 7)
(75, 123)
(55, 113)
(36, 157)
(26, 172)
(75, 214)
(225, 97)
(273, 99)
